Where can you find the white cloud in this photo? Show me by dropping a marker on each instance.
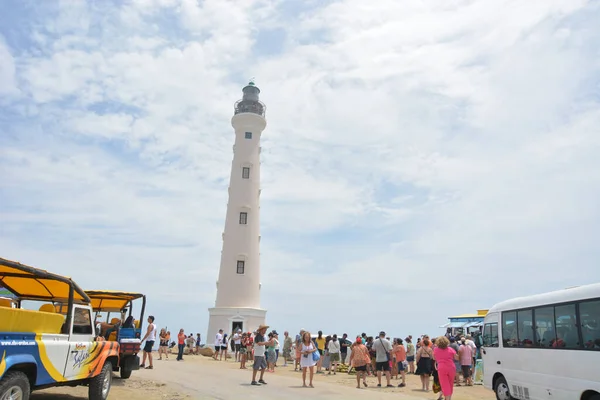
(8, 84)
(409, 147)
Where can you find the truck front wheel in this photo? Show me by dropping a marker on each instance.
(14, 385)
(101, 383)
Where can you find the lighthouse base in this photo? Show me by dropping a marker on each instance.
(230, 319)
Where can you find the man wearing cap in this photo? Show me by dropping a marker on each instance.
(382, 348)
(260, 363)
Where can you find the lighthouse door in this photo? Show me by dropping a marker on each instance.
(235, 325)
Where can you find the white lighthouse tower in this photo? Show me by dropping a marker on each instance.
(238, 287)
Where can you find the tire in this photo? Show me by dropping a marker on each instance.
(594, 397)
(125, 372)
(101, 383)
(14, 382)
(501, 389)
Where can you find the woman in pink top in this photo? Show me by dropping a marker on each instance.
(444, 357)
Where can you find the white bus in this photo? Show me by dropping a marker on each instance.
(545, 346)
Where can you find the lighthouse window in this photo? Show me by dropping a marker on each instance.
(248, 135)
(246, 173)
(241, 265)
(243, 218)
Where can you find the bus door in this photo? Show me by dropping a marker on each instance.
(491, 352)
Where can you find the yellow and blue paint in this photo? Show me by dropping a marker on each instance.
(78, 361)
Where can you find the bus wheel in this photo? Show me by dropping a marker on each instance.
(501, 389)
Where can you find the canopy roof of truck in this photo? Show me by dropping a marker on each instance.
(29, 283)
(109, 300)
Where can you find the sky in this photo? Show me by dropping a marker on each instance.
(421, 159)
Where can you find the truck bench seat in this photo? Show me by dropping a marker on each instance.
(21, 320)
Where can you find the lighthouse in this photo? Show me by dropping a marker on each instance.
(238, 287)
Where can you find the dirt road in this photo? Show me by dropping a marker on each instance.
(202, 378)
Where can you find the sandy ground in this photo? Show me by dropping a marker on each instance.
(199, 377)
(131, 389)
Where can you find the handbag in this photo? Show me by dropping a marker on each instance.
(387, 353)
(436, 387)
(316, 356)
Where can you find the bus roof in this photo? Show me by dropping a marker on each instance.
(559, 296)
(110, 300)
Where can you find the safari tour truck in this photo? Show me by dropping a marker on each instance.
(45, 348)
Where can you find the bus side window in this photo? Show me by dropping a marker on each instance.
(525, 321)
(490, 335)
(544, 327)
(509, 329)
(589, 314)
(567, 334)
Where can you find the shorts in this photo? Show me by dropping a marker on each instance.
(149, 345)
(382, 366)
(217, 349)
(362, 368)
(238, 347)
(410, 358)
(320, 352)
(466, 370)
(259, 362)
(223, 347)
(400, 366)
(242, 350)
(334, 357)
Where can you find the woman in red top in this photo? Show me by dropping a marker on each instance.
(180, 344)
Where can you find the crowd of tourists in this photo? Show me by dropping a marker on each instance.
(441, 363)
(447, 361)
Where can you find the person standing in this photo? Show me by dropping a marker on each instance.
(400, 357)
(237, 344)
(307, 361)
(465, 353)
(243, 350)
(334, 353)
(163, 344)
(270, 352)
(277, 346)
(320, 342)
(410, 355)
(224, 347)
(424, 364)
(260, 364)
(454, 347)
(287, 347)
(180, 344)
(298, 346)
(344, 343)
(444, 356)
(198, 342)
(218, 343)
(359, 359)
(382, 348)
(150, 338)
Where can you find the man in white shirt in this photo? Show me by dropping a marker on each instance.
(260, 363)
(382, 348)
(334, 353)
(237, 341)
(218, 343)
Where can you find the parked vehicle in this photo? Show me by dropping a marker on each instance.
(44, 348)
(124, 329)
(545, 346)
